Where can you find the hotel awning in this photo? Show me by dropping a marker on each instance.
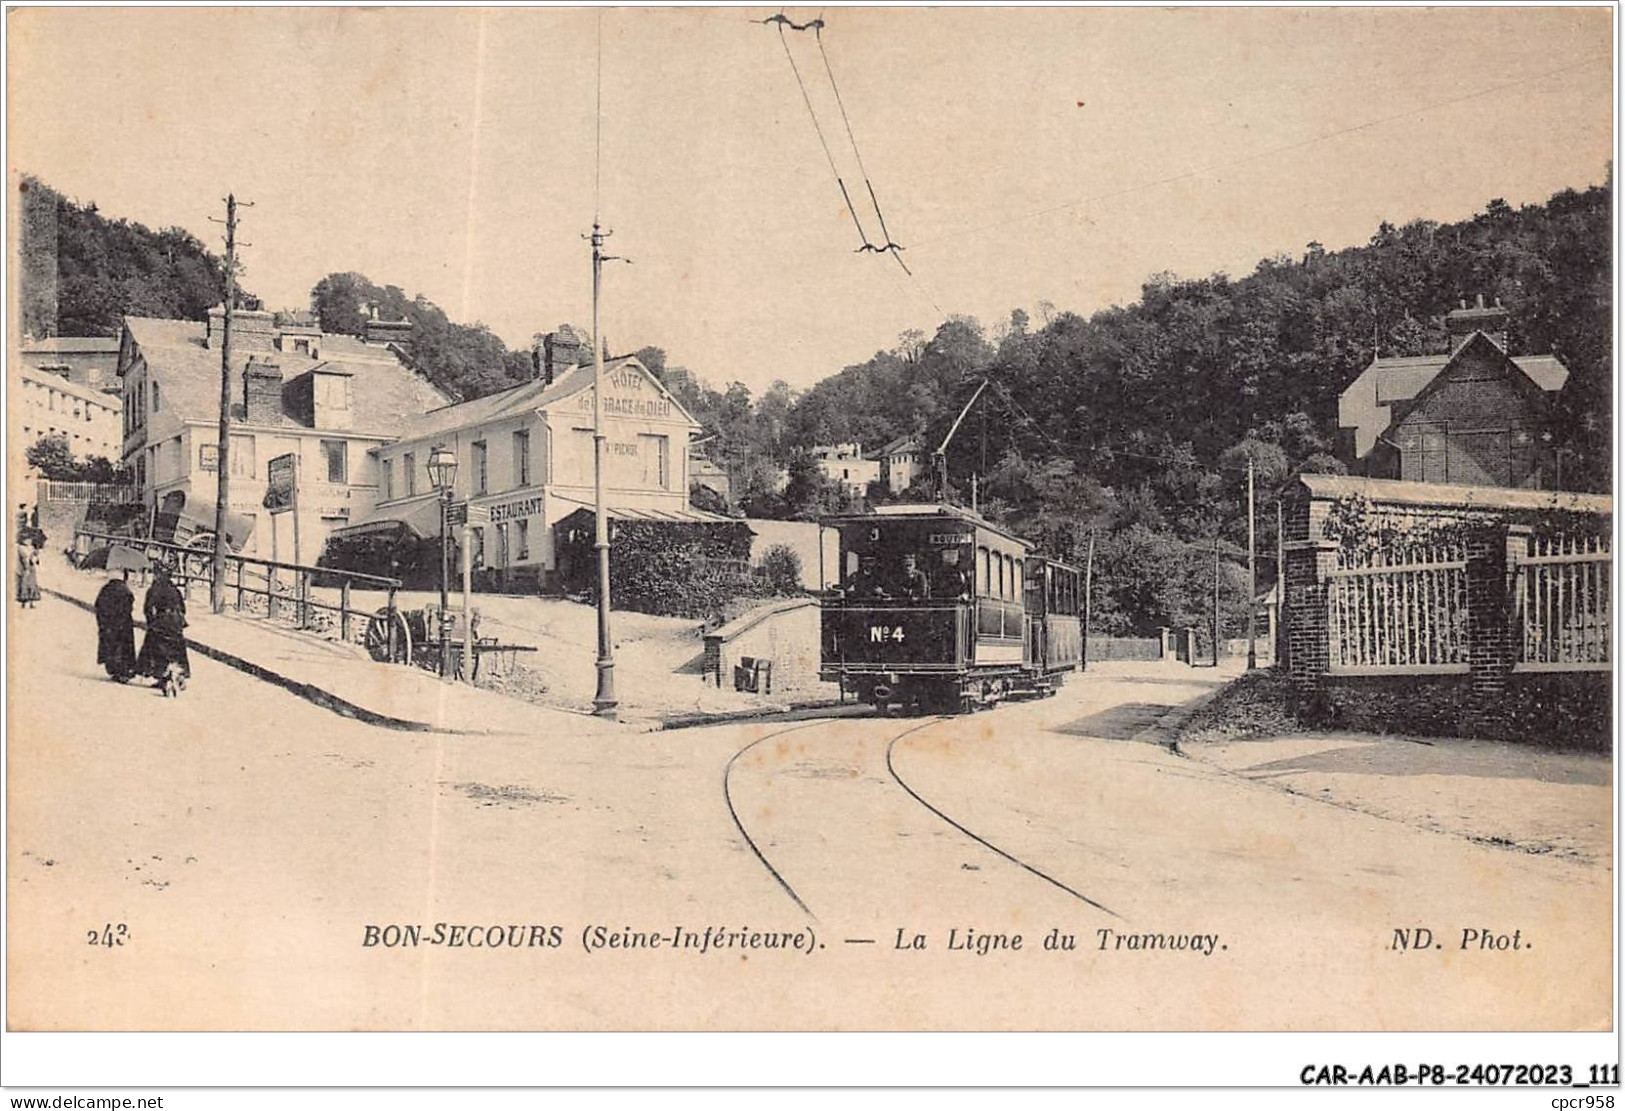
(687, 514)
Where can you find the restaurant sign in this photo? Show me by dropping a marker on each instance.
(513, 510)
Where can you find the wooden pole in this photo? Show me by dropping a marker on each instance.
(217, 573)
(1215, 600)
(1252, 575)
(1088, 598)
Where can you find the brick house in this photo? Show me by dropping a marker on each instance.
(1476, 416)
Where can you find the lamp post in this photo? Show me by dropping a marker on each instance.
(442, 473)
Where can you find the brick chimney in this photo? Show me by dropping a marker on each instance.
(387, 331)
(1491, 320)
(557, 353)
(262, 391)
(251, 330)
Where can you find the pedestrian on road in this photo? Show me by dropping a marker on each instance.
(165, 642)
(115, 628)
(27, 574)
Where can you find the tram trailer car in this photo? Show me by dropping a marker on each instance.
(936, 607)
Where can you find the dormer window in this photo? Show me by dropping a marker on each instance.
(332, 390)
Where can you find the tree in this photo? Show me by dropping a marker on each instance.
(53, 458)
(83, 273)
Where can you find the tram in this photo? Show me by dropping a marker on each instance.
(938, 608)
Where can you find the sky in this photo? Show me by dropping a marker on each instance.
(1021, 156)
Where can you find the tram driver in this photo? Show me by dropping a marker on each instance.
(952, 579)
(916, 585)
(865, 582)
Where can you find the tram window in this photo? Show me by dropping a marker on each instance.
(982, 586)
(1009, 578)
(1017, 581)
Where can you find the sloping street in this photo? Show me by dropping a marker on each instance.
(238, 845)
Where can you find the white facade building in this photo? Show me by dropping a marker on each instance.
(526, 455)
(48, 404)
(845, 464)
(904, 459)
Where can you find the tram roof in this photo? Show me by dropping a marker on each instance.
(925, 511)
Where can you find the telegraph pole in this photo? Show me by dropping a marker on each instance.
(1252, 575)
(1215, 600)
(217, 567)
(603, 702)
(1088, 597)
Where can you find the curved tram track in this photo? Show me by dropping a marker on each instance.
(891, 744)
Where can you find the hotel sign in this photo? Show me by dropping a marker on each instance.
(627, 393)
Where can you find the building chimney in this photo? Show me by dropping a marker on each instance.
(557, 353)
(262, 392)
(387, 331)
(1491, 320)
(251, 330)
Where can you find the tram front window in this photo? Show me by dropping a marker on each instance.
(951, 578)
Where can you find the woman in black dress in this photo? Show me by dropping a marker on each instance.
(165, 643)
(115, 629)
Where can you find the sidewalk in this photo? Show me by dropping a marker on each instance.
(342, 678)
(1532, 798)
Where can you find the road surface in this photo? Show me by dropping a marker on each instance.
(264, 864)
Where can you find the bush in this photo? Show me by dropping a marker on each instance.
(416, 562)
(672, 568)
(781, 567)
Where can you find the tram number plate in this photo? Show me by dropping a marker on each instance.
(885, 634)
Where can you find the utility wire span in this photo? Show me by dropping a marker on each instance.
(1267, 153)
(807, 100)
(889, 246)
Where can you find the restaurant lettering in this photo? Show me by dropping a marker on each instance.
(513, 510)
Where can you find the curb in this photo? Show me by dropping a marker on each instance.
(728, 717)
(1164, 731)
(327, 700)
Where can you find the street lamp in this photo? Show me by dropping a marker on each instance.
(442, 473)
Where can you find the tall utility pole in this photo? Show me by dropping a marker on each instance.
(1088, 598)
(603, 702)
(1252, 575)
(217, 567)
(1215, 600)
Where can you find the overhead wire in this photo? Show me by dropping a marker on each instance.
(888, 246)
(813, 115)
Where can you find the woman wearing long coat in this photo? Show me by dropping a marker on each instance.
(115, 629)
(166, 624)
(27, 574)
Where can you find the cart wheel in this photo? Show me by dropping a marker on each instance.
(389, 638)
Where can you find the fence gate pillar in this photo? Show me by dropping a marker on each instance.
(1310, 557)
(1492, 633)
